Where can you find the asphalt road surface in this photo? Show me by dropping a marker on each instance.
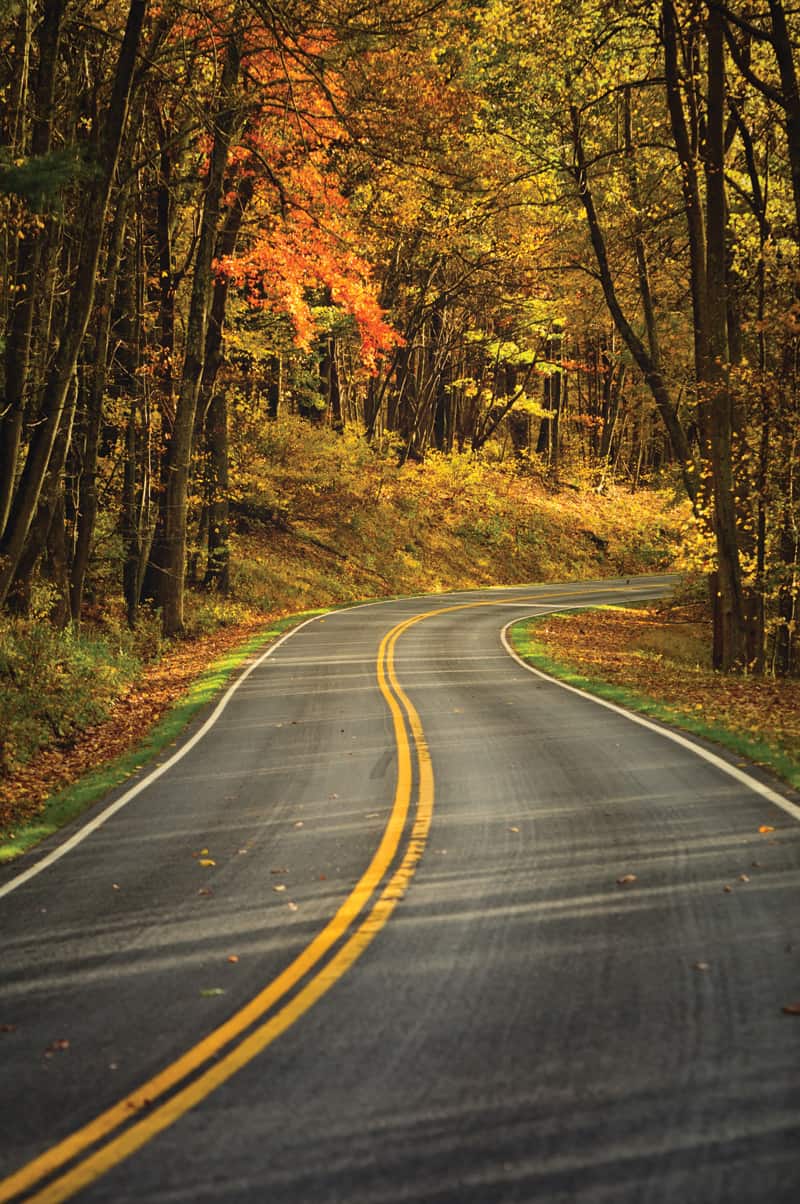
(364, 943)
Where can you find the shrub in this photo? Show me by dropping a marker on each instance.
(52, 684)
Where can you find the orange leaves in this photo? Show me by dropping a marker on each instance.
(59, 1046)
(310, 249)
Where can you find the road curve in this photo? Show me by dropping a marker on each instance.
(364, 943)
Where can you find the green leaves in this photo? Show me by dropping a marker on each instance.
(41, 179)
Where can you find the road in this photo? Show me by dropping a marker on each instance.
(363, 942)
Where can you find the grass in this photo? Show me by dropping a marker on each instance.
(537, 642)
(71, 802)
(320, 520)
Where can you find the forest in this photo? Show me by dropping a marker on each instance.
(564, 235)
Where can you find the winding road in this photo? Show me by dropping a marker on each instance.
(360, 939)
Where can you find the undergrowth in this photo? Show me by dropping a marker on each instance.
(322, 519)
(55, 683)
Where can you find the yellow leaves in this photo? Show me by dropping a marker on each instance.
(206, 862)
(766, 828)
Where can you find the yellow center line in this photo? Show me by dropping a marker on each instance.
(154, 1120)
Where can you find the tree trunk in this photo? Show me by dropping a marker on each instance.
(87, 486)
(171, 591)
(731, 620)
(651, 372)
(27, 281)
(81, 299)
(214, 401)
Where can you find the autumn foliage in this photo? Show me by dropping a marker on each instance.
(564, 235)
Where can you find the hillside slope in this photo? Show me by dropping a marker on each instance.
(316, 522)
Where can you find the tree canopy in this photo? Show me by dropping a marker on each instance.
(565, 231)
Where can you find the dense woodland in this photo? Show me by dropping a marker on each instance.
(564, 232)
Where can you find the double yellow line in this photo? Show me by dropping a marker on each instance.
(99, 1145)
(94, 1149)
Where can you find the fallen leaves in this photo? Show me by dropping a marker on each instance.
(56, 1047)
(8, 1028)
(701, 966)
(279, 886)
(791, 1009)
(23, 791)
(766, 828)
(233, 958)
(653, 652)
(210, 992)
(206, 862)
(627, 880)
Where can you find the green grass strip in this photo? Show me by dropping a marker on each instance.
(70, 802)
(756, 749)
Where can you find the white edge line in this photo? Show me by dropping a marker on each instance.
(153, 776)
(771, 796)
(93, 824)
(106, 814)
